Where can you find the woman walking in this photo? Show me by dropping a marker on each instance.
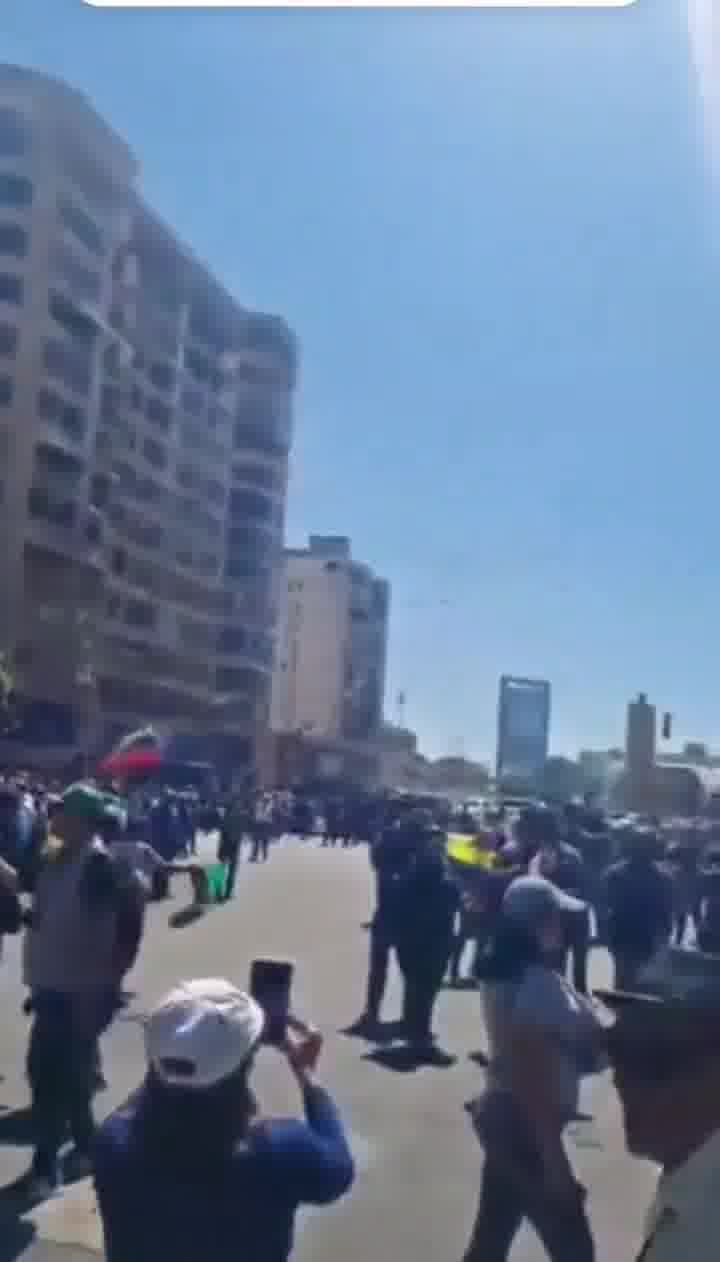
(544, 1037)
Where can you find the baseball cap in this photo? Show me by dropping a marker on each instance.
(678, 979)
(83, 800)
(530, 900)
(202, 1032)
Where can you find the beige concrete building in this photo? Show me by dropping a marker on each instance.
(329, 680)
(145, 423)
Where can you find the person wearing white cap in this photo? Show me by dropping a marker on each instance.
(544, 1037)
(185, 1169)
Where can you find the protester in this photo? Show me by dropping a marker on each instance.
(236, 823)
(639, 902)
(544, 1037)
(665, 1051)
(187, 1169)
(427, 903)
(561, 863)
(79, 944)
(390, 857)
(262, 828)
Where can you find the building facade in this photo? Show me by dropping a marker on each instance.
(329, 680)
(640, 755)
(145, 425)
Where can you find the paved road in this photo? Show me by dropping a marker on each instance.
(409, 1131)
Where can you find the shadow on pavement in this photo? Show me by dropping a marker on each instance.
(377, 1032)
(186, 916)
(15, 1130)
(400, 1060)
(481, 1058)
(406, 1060)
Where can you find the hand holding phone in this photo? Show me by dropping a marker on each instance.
(303, 1046)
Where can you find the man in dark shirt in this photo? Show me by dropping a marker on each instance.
(390, 857)
(639, 902)
(185, 1170)
(427, 903)
(561, 863)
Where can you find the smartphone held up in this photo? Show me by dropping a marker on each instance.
(270, 986)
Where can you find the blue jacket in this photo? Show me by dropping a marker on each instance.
(245, 1210)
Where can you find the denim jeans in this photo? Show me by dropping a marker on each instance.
(61, 1063)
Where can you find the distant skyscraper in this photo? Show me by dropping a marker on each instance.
(640, 745)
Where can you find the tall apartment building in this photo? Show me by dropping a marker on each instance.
(329, 680)
(145, 423)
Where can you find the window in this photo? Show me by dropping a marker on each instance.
(237, 569)
(240, 679)
(95, 186)
(256, 475)
(72, 319)
(15, 190)
(83, 282)
(249, 539)
(158, 413)
(83, 228)
(251, 504)
(11, 288)
(247, 434)
(118, 561)
(155, 454)
(8, 339)
(42, 505)
(198, 366)
(161, 375)
(231, 640)
(14, 134)
(51, 407)
(13, 240)
(94, 530)
(140, 614)
(68, 366)
(7, 390)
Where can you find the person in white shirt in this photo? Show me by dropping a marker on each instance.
(665, 1051)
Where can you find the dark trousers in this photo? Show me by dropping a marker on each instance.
(579, 947)
(62, 1059)
(422, 976)
(505, 1202)
(378, 965)
(261, 843)
(231, 856)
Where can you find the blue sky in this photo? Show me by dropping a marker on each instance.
(491, 231)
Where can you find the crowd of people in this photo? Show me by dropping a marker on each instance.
(78, 867)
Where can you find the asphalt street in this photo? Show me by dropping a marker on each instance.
(418, 1161)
